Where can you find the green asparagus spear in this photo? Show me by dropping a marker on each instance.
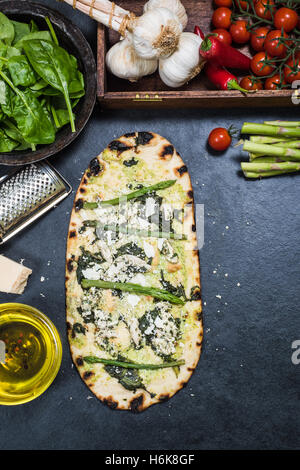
(251, 175)
(129, 287)
(263, 159)
(255, 167)
(283, 123)
(265, 139)
(264, 129)
(132, 365)
(272, 150)
(126, 197)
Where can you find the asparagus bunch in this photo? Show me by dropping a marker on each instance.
(273, 148)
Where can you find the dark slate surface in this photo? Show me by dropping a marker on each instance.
(245, 391)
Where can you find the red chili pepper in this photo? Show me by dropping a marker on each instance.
(199, 32)
(223, 54)
(222, 79)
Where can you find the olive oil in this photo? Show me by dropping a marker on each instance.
(32, 353)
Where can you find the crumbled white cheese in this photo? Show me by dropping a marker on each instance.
(139, 279)
(150, 206)
(92, 272)
(167, 250)
(163, 330)
(149, 250)
(105, 327)
(133, 299)
(135, 332)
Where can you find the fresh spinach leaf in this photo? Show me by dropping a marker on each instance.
(21, 30)
(13, 133)
(7, 31)
(6, 95)
(33, 26)
(21, 71)
(60, 116)
(6, 143)
(39, 85)
(35, 125)
(36, 35)
(12, 52)
(55, 66)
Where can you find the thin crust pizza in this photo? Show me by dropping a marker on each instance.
(133, 294)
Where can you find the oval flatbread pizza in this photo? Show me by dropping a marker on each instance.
(133, 293)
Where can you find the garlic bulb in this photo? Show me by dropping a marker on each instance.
(156, 33)
(173, 5)
(122, 61)
(184, 64)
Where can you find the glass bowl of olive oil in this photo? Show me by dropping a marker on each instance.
(33, 353)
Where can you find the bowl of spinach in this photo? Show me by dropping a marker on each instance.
(47, 82)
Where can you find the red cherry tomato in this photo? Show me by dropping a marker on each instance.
(223, 36)
(239, 32)
(286, 18)
(258, 38)
(242, 5)
(273, 45)
(250, 84)
(222, 18)
(258, 65)
(219, 139)
(292, 69)
(273, 83)
(223, 3)
(264, 9)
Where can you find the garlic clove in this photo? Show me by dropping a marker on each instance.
(173, 5)
(123, 62)
(156, 33)
(184, 64)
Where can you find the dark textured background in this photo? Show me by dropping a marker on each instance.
(245, 391)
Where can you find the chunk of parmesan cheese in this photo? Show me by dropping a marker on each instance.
(13, 276)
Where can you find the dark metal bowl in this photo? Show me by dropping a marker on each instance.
(71, 38)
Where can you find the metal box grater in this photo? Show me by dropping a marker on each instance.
(26, 194)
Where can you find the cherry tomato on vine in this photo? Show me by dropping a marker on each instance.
(223, 3)
(292, 69)
(258, 65)
(258, 38)
(223, 36)
(222, 17)
(263, 9)
(242, 4)
(239, 32)
(250, 84)
(273, 83)
(273, 45)
(219, 139)
(286, 18)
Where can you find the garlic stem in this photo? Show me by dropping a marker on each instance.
(103, 11)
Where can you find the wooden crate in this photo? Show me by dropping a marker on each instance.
(151, 92)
